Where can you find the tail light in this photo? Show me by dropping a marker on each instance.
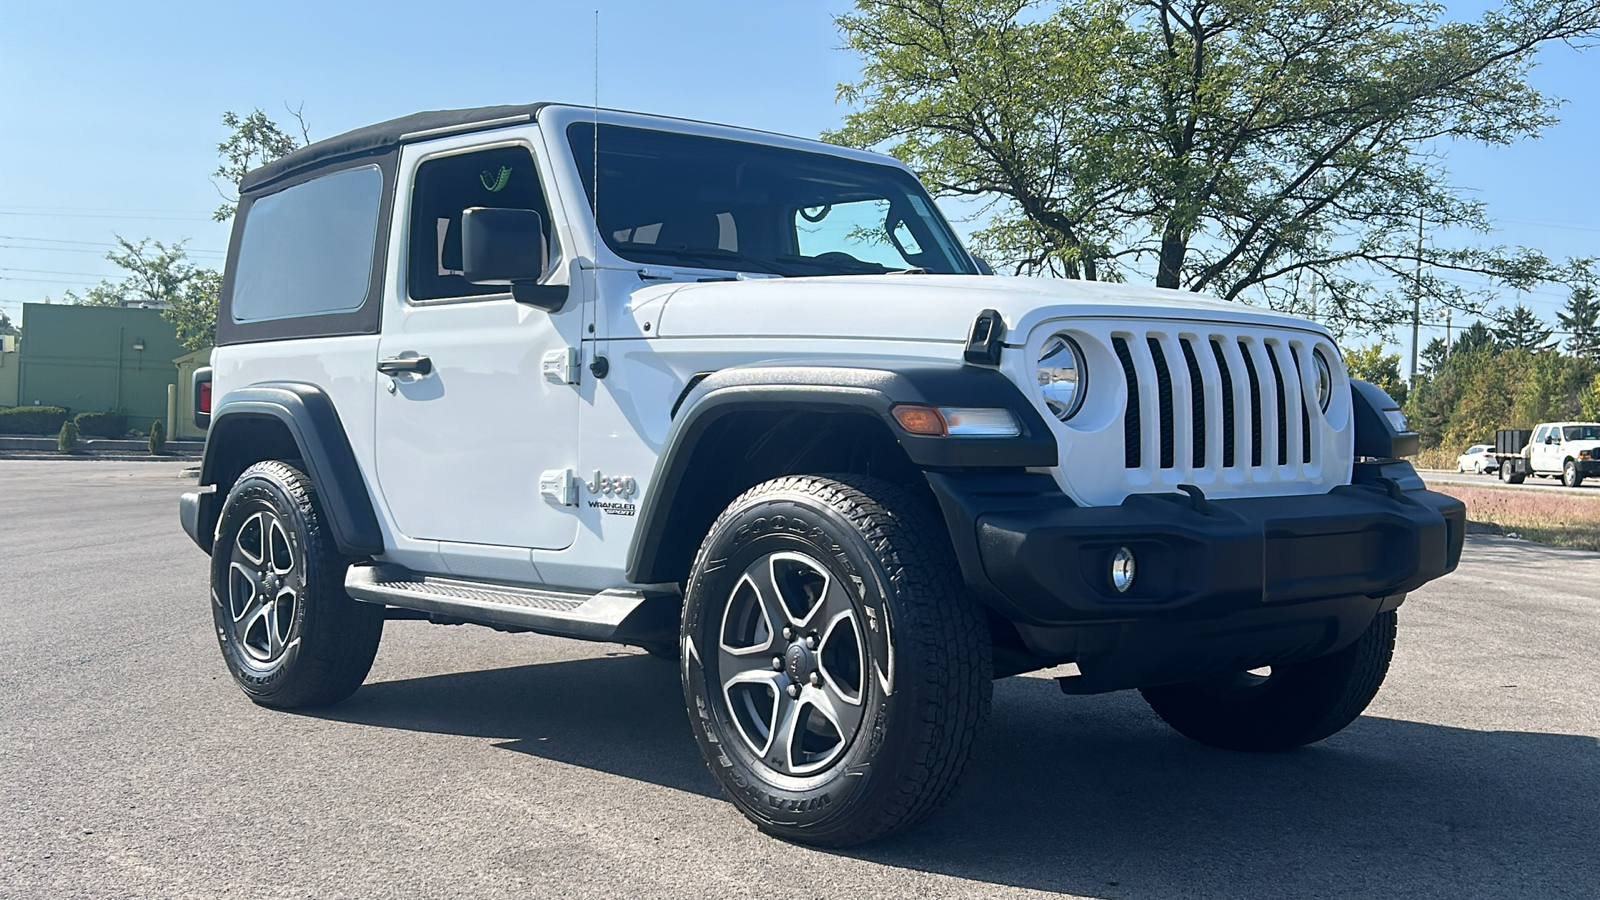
(202, 397)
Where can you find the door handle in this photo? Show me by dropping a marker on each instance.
(418, 365)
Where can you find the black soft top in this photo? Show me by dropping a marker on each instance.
(376, 139)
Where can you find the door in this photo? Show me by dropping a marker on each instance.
(469, 411)
(1539, 451)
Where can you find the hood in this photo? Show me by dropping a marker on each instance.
(919, 307)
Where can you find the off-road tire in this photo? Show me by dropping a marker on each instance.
(1295, 705)
(1570, 476)
(318, 646)
(925, 685)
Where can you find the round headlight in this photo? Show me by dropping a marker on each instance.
(1062, 376)
(1324, 379)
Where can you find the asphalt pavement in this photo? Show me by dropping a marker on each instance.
(478, 764)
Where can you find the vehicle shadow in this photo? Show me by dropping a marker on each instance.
(1094, 796)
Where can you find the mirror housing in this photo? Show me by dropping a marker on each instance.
(507, 246)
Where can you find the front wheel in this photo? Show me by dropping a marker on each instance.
(1289, 707)
(1570, 476)
(836, 670)
(291, 636)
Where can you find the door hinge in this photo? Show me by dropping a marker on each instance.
(559, 486)
(561, 366)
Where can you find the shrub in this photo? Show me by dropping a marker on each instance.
(32, 419)
(67, 440)
(158, 436)
(102, 424)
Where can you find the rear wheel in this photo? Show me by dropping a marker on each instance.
(1289, 706)
(291, 636)
(836, 670)
(1509, 474)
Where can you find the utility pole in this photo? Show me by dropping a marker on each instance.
(1416, 304)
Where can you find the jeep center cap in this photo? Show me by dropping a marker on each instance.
(799, 662)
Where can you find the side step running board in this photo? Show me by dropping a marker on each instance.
(621, 615)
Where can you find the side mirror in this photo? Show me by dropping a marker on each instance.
(1551, 438)
(507, 246)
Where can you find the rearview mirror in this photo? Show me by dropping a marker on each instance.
(507, 246)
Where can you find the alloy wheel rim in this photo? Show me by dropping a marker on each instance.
(263, 587)
(792, 663)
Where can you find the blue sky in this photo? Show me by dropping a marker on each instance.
(109, 112)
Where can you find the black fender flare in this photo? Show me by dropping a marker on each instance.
(1377, 434)
(309, 416)
(846, 387)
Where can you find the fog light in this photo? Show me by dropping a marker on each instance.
(1122, 570)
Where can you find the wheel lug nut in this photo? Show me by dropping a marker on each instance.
(815, 679)
(777, 664)
(793, 690)
(811, 642)
(788, 633)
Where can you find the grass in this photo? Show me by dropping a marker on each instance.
(1557, 518)
(1437, 458)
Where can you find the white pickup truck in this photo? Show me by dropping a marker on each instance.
(1566, 450)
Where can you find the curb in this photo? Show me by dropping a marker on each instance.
(117, 455)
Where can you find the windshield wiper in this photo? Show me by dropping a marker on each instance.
(714, 259)
(836, 266)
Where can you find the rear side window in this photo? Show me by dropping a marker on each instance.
(307, 250)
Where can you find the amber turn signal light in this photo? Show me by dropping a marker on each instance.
(920, 420)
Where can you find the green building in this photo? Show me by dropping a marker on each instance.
(98, 359)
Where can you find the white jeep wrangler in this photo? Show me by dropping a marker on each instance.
(762, 413)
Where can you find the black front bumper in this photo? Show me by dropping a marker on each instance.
(1311, 570)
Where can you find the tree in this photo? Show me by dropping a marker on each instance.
(1521, 329)
(193, 312)
(1382, 369)
(1581, 321)
(5, 325)
(1474, 338)
(1224, 147)
(254, 141)
(1433, 356)
(161, 276)
(1589, 403)
(106, 293)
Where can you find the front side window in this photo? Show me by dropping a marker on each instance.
(307, 250)
(671, 198)
(502, 178)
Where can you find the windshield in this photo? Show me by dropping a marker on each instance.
(668, 198)
(1581, 432)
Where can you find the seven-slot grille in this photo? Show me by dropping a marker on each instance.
(1198, 402)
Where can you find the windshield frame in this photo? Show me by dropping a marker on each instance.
(956, 258)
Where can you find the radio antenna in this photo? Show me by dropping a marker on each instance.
(594, 194)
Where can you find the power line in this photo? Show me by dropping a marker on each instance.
(61, 215)
(187, 252)
(1561, 225)
(47, 280)
(51, 272)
